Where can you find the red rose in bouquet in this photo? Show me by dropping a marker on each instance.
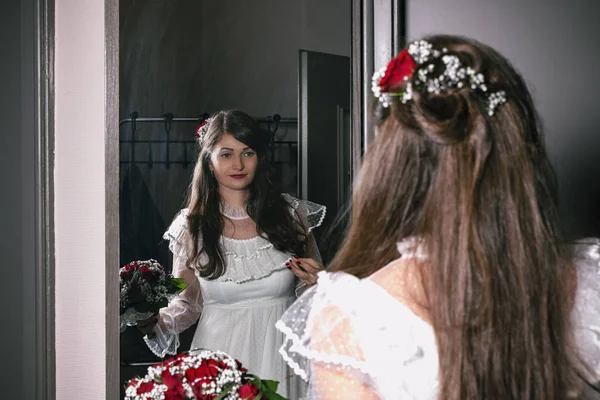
(248, 391)
(145, 288)
(206, 375)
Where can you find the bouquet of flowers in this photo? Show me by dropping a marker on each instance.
(206, 375)
(145, 289)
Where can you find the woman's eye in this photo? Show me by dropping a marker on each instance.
(226, 155)
(249, 153)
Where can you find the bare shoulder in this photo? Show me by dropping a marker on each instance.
(403, 280)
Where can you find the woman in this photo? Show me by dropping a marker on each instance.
(232, 245)
(453, 282)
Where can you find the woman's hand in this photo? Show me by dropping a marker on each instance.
(306, 269)
(146, 326)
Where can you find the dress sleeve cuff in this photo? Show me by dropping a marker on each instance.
(162, 343)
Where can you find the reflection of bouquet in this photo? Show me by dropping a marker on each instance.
(145, 289)
(206, 375)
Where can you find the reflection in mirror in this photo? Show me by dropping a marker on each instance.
(181, 61)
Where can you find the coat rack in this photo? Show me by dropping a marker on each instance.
(272, 125)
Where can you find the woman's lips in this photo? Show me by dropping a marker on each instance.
(238, 176)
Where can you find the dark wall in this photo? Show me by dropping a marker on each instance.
(17, 208)
(554, 44)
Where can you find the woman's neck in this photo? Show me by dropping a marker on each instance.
(234, 198)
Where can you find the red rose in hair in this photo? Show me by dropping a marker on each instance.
(248, 391)
(199, 128)
(399, 68)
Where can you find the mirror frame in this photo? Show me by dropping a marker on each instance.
(111, 106)
(377, 32)
(37, 48)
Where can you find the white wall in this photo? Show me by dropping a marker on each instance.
(554, 45)
(80, 218)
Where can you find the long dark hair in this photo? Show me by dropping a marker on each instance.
(266, 206)
(480, 193)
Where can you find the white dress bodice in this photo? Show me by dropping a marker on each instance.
(237, 312)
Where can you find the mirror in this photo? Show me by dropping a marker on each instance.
(182, 60)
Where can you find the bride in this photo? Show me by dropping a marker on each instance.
(453, 282)
(245, 250)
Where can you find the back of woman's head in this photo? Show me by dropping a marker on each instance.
(459, 162)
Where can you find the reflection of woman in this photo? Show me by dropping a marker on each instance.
(232, 246)
(453, 282)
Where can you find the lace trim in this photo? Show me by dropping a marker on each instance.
(252, 277)
(321, 215)
(259, 263)
(163, 343)
(235, 213)
(295, 366)
(313, 355)
(411, 247)
(313, 213)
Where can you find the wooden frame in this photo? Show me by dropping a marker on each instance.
(111, 105)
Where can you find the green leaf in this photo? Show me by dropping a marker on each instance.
(224, 393)
(179, 283)
(270, 385)
(273, 396)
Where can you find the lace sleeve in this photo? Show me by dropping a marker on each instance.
(311, 216)
(321, 340)
(586, 320)
(184, 309)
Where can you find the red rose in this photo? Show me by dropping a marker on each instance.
(194, 374)
(399, 68)
(206, 371)
(248, 391)
(148, 274)
(174, 385)
(240, 368)
(145, 387)
(132, 382)
(126, 273)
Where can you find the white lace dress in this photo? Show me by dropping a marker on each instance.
(341, 329)
(237, 312)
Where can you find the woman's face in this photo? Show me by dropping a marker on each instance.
(233, 163)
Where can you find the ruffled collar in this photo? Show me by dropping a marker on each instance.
(234, 213)
(250, 259)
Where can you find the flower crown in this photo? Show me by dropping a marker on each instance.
(418, 54)
(202, 129)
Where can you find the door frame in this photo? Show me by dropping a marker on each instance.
(378, 33)
(37, 18)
